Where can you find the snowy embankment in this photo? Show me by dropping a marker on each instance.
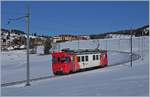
(14, 64)
(118, 80)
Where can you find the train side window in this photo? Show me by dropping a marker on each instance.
(96, 57)
(68, 59)
(82, 58)
(79, 59)
(93, 57)
(86, 58)
(73, 58)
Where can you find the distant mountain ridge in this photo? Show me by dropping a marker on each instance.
(137, 32)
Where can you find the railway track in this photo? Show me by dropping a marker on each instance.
(134, 57)
(23, 81)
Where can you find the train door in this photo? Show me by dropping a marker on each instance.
(95, 58)
(83, 61)
(91, 63)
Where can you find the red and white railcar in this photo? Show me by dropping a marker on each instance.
(67, 61)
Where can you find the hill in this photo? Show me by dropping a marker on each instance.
(16, 39)
(124, 33)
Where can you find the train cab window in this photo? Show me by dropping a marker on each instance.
(93, 57)
(96, 57)
(86, 58)
(82, 58)
(78, 59)
(62, 60)
(65, 59)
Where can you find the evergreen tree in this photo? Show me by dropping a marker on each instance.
(34, 34)
(47, 46)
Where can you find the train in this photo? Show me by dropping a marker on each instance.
(67, 61)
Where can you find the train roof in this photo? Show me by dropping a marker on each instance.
(83, 51)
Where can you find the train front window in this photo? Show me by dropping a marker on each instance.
(65, 59)
(61, 60)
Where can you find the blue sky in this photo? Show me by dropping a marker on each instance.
(68, 17)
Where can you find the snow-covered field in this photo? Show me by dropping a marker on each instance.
(14, 65)
(120, 80)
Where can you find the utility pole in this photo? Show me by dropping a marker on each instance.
(142, 51)
(78, 40)
(28, 47)
(131, 47)
(106, 42)
(119, 42)
(28, 41)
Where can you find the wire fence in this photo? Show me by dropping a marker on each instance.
(139, 44)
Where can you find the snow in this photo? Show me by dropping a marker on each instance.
(120, 80)
(10, 48)
(30, 36)
(14, 65)
(40, 49)
(22, 46)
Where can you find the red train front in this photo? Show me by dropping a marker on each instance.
(63, 63)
